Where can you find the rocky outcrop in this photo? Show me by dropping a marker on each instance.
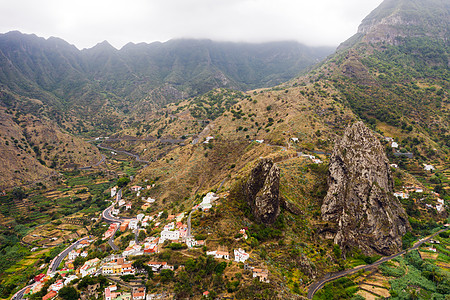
(359, 203)
(262, 191)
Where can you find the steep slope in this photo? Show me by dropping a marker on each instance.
(360, 201)
(91, 84)
(32, 149)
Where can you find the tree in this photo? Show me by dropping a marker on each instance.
(18, 193)
(123, 181)
(68, 293)
(166, 275)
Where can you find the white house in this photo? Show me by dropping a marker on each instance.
(134, 250)
(150, 200)
(73, 254)
(136, 188)
(219, 254)
(240, 255)
(259, 141)
(207, 201)
(401, 195)
(394, 145)
(113, 191)
(395, 166)
(169, 235)
(133, 224)
(69, 279)
(440, 205)
(428, 167)
(207, 139)
(294, 139)
(56, 286)
(169, 226)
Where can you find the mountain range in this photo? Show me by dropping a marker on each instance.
(313, 160)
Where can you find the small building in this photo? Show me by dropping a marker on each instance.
(401, 195)
(169, 235)
(50, 295)
(136, 188)
(240, 255)
(219, 254)
(113, 191)
(138, 293)
(133, 224)
(262, 274)
(394, 145)
(428, 167)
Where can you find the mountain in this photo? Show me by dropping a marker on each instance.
(313, 196)
(360, 201)
(89, 84)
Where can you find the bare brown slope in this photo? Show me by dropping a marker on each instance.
(33, 149)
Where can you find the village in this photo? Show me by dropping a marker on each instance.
(174, 230)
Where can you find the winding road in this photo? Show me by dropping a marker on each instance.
(138, 159)
(313, 288)
(52, 268)
(106, 215)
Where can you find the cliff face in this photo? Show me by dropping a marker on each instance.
(262, 191)
(359, 202)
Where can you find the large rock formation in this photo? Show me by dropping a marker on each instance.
(359, 202)
(262, 191)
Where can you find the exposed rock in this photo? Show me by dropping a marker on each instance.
(262, 191)
(290, 207)
(359, 201)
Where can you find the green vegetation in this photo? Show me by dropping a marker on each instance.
(215, 103)
(414, 276)
(342, 288)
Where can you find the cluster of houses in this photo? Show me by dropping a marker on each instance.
(239, 254)
(137, 293)
(117, 266)
(440, 206)
(404, 194)
(41, 279)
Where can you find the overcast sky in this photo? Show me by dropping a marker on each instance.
(85, 23)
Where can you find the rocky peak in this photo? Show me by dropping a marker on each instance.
(360, 202)
(262, 191)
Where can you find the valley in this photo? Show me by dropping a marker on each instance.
(195, 169)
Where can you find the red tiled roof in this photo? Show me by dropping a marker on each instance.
(50, 295)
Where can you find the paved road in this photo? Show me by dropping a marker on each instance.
(313, 288)
(55, 262)
(96, 164)
(19, 294)
(52, 268)
(138, 159)
(106, 215)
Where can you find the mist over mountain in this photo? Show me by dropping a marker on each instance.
(103, 77)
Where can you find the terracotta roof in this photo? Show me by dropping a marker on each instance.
(50, 295)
